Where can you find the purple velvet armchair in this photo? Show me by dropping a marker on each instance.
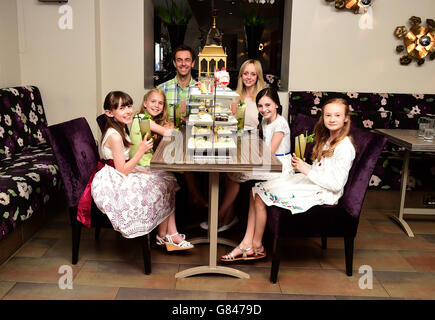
(339, 220)
(77, 156)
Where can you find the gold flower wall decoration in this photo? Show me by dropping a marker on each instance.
(357, 6)
(418, 41)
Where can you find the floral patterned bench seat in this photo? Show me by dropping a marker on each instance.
(380, 110)
(28, 170)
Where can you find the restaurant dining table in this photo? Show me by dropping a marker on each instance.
(251, 154)
(410, 140)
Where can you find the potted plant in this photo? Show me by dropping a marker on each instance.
(254, 26)
(175, 17)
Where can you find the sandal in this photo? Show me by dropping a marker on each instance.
(230, 256)
(161, 241)
(172, 246)
(258, 254)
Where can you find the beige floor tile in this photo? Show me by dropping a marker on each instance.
(379, 260)
(37, 270)
(422, 261)
(126, 274)
(43, 291)
(5, 286)
(117, 250)
(409, 285)
(258, 281)
(162, 294)
(384, 241)
(35, 248)
(325, 282)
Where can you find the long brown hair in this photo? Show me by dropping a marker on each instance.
(162, 118)
(322, 134)
(111, 102)
(241, 90)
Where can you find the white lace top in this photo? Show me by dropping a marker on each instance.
(107, 152)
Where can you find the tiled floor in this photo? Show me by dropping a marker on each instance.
(403, 267)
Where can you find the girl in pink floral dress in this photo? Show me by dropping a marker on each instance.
(135, 201)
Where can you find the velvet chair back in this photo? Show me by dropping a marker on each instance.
(340, 220)
(76, 153)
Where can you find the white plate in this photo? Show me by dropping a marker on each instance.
(248, 128)
(194, 119)
(207, 145)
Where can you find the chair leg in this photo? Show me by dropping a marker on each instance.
(97, 233)
(348, 251)
(275, 261)
(324, 243)
(146, 253)
(76, 229)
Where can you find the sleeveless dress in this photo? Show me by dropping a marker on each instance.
(282, 153)
(135, 203)
(324, 184)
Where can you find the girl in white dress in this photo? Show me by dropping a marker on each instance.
(134, 200)
(275, 132)
(317, 184)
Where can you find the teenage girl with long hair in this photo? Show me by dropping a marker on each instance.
(317, 184)
(135, 199)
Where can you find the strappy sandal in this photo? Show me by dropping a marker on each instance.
(258, 254)
(172, 246)
(161, 241)
(230, 256)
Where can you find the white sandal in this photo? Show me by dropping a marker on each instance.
(161, 241)
(172, 246)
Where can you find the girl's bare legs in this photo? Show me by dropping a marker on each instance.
(169, 227)
(197, 198)
(260, 222)
(226, 210)
(250, 230)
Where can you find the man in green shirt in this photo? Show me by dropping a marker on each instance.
(177, 90)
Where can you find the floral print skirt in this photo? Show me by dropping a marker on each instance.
(136, 203)
(292, 192)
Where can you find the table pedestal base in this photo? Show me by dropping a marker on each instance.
(209, 269)
(404, 225)
(212, 238)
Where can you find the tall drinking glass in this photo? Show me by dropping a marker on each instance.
(422, 124)
(429, 130)
(300, 144)
(177, 116)
(145, 127)
(240, 116)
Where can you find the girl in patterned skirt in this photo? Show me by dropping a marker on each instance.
(135, 199)
(317, 184)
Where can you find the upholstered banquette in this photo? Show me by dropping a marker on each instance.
(28, 170)
(374, 111)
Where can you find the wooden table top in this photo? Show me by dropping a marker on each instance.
(408, 139)
(172, 155)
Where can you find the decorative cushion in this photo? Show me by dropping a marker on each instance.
(27, 180)
(22, 119)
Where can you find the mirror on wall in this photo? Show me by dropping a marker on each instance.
(239, 22)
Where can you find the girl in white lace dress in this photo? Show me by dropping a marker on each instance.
(275, 132)
(317, 184)
(135, 201)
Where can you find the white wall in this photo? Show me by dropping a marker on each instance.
(122, 47)
(62, 63)
(10, 73)
(330, 52)
(75, 69)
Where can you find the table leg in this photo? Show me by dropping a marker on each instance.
(212, 232)
(400, 219)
